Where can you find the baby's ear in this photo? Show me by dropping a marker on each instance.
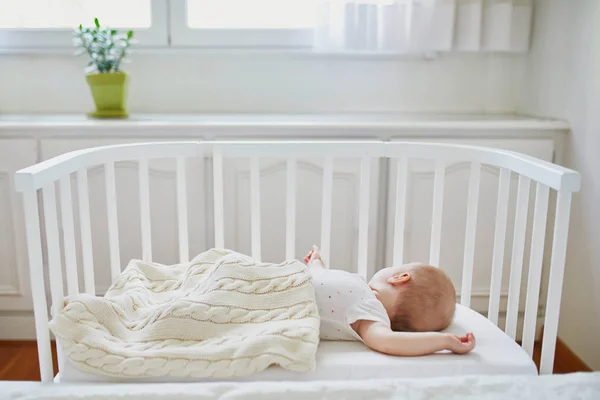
(399, 278)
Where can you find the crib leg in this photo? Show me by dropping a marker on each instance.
(36, 275)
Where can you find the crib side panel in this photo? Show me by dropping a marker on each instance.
(361, 223)
(456, 224)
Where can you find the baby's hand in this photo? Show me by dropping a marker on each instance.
(314, 254)
(461, 344)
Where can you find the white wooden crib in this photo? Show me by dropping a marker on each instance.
(38, 185)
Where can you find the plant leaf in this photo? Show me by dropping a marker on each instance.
(106, 47)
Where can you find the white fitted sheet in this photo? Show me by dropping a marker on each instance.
(495, 354)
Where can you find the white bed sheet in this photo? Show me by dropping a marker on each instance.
(583, 386)
(495, 354)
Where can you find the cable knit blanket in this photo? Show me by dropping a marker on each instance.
(221, 315)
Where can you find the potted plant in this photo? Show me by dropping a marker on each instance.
(106, 49)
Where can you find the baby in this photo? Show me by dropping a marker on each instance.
(398, 312)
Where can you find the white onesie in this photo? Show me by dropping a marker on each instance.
(344, 298)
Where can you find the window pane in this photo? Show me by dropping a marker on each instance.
(71, 13)
(249, 14)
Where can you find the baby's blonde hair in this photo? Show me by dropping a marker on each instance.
(426, 302)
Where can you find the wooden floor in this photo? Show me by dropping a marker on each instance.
(19, 360)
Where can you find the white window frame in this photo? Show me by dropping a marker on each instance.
(184, 36)
(169, 30)
(43, 38)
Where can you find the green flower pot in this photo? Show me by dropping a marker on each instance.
(109, 91)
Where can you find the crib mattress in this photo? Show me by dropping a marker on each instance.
(495, 354)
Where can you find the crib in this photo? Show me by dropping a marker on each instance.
(38, 185)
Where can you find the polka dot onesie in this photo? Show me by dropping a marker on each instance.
(344, 298)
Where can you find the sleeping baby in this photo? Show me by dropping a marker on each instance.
(399, 312)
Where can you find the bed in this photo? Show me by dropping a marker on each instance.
(582, 386)
(497, 353)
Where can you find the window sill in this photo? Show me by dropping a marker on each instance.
(381, 126)
(302, 52)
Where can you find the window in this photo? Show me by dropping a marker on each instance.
(250, 14)
(39, 24)
(17, 14)
(242, 23)
(32, 24)
(389, 26)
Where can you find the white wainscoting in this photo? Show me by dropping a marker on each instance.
(15, 292)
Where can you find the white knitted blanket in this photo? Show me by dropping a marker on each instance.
(221, 315)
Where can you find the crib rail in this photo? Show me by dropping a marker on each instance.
(549, 174)
(544, 176)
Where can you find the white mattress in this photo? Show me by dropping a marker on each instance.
(495, 354)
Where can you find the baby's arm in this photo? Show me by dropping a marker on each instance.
(381, 338)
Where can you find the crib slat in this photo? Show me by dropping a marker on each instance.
(290, 220)
(86, 232)
(38, 288)
(145, 210)
(499, 240)
(538, 237)
(436, 217)
(53, 246)
(218, 198)
(400, 217)
(66, 212)
(203, 217)
(182, 212)
(518, 251)
(363, 218)
(557, 272)
(471, 229)
(255, 206)
(113, 221)
(54, 258)
(326, 210)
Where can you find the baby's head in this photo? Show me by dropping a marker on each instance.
(417, 297)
